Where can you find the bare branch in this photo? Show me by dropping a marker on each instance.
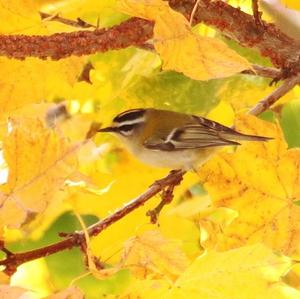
(264, 71)
(283, 51)
(193, 12)
(13, 260)
(134, 32)
(78, 23)
(268, 101)
(256, 13)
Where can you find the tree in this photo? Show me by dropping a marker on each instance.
(229, 230)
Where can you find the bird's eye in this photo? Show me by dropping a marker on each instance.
(126, 130)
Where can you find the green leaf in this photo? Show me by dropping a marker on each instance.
(67, 265)
(174, 91)
(290, 123)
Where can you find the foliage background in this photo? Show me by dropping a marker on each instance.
(49, 175)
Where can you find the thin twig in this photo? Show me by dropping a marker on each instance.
(270, 41)
(193, 12)
(268, 101)
(283, 51)
(263, 71)
(11, 262)
(256, 13)
(79, 23)
(166, 198)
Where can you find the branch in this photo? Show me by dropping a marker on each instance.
(268, 101)
(283, 51)
(13, 260)
(78, 23)
(263, 71)
(232, 22)
(256, 13)
(133, 32)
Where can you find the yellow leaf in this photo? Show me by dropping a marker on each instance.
(22, 16)
(293, 277)
(16, 15)
(294, 4)
(152, 253)
(146, 289)
(9, 292)
(222, 113)
(251, 272)
(133, 178)
(200, 58)
(34, 80)
(4, 278)
(93, 269)
(39, 284)
(39, 161)
(191, 207)
(69, 293)
(261, 182)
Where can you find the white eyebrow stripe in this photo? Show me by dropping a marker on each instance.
(131, 122)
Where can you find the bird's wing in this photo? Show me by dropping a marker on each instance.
(200, 133)
(189, 137)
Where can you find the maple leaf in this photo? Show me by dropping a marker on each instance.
(39, 161)
(261, 181)
(247, 272)
(146, 289)
(69, 293)
(34, 80)
(16, 15)
(294, 4)
(151, 252)
(200, 58)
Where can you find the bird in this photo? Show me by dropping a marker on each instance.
(174, 140)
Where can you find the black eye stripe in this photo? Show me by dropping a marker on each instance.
(129, 115)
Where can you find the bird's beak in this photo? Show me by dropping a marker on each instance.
(107, 129)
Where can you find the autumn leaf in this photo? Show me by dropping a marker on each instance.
(191, 207)
(146, 289)
(39, 161)
(294, 4)
(261, 182)
(247, 272)
(10, 292)
(220, 238)
(152, 253)
(4, 278)
(34, 81)
(69, 293)
(17, 15)
(200, 58)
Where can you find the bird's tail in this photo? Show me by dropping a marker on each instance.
(240, 136)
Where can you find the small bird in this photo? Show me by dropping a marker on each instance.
(171, 139)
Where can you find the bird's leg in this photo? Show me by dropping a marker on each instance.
(175, 172)
(167, 194)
